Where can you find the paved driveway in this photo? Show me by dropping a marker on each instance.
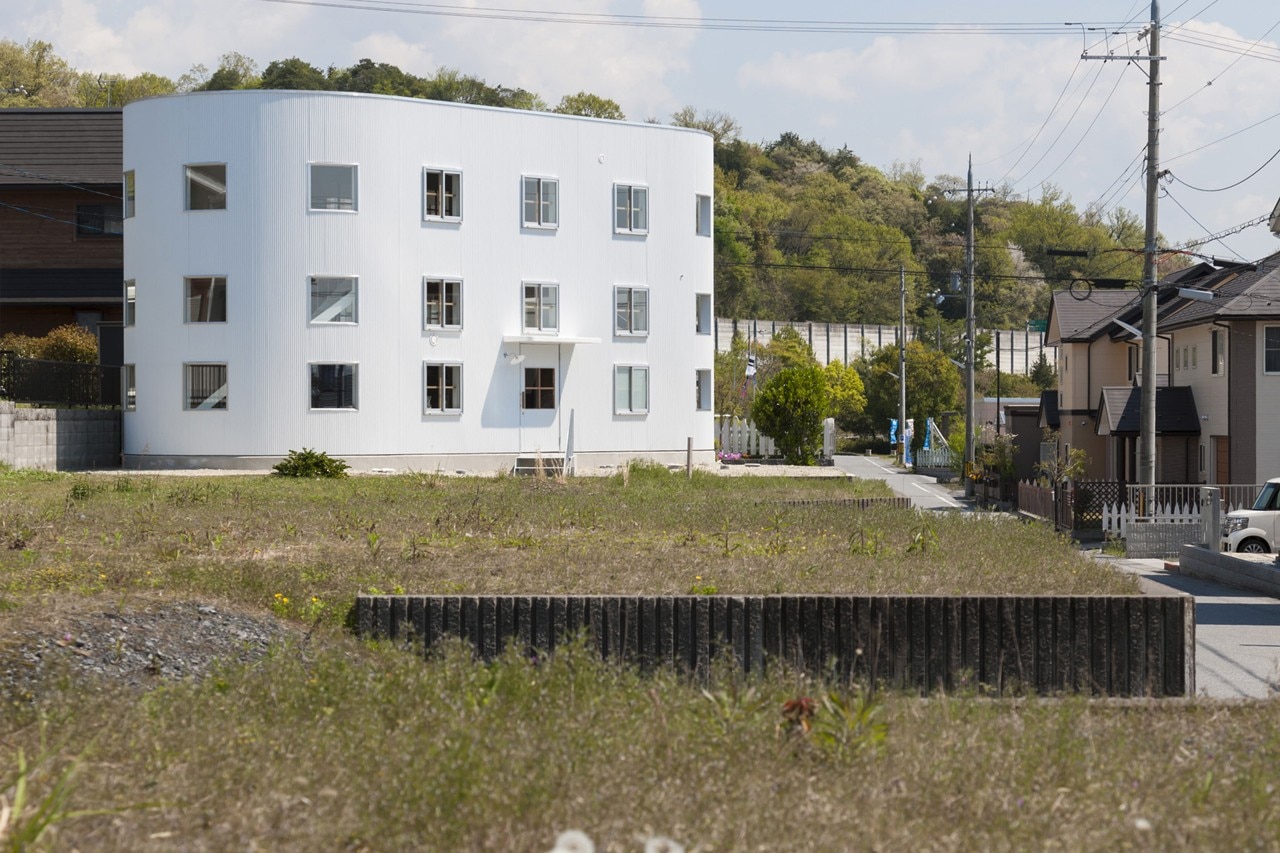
(925, 492)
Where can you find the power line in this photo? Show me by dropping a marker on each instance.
(1192, 217)
(1229, 186)
(1223, 138)
(1214, 79)
(700, 23)
(1085, 135)
(18, 170)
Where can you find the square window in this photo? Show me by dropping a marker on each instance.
(130, 302)
(704, 391)
(442, 197)
(99, 220)
(333, 386)
(703, 216)
(333, 299)
(333, 187)
(630, 389)
(442, 392)
(130, 195)
(539, 388)
(630, 209)
(705, 319)
(205, 386)
(207, 187)
(541, 307)
(205, 299)
(541, 202)
(129, 388)
(632, 310)
(441, 304)
(1271, 349)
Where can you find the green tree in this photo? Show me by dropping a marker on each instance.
(933, 386)
(32, 75)
(234, 71)
(848, 397)
(592, 106)
(294, 73)
(724, 129)
(1043, 375)
(98, 90)
(789, 408)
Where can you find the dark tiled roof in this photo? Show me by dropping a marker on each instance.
(1240, 293)
(1081, 315)
(73, 146)
(1120, 411)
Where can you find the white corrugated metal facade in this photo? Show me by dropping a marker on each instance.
(267, 244)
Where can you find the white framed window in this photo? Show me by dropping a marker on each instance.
(129, 388)
(334, 186)
(130, 302)
(333, 386)
(704, 391)
(204, 386)
(539, 388)
(705, 319)
(702, 216)
(130, 196)
(1218, 351)
(442, 388)
(441, 303)
(631, 314)
(630, 389)
(441, 194)
(541, 202)
(333, 299)
(630, 209)
(204, 299)
(1271, 349)
(541, 307)
(206, 186)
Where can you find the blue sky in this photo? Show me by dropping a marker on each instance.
(922, 89)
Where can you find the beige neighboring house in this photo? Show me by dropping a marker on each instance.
(1217, 385)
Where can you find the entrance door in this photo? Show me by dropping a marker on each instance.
(1222, 459)
(540, 377)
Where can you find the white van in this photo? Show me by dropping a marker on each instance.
(1253, 531)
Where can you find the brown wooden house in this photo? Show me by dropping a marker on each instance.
(61, 246)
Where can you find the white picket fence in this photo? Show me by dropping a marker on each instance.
(737, 436)
(1177, 506)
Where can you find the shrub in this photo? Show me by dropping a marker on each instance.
(310, 463)
(790, 408)
(69, 342)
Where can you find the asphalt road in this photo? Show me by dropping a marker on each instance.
(925, 492)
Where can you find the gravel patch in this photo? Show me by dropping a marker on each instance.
(136, 644)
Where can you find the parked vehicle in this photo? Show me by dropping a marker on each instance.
(1257, 530)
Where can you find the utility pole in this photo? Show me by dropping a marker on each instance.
(969, 332)
(1150, 265)
(902, 360)
(1150, 258)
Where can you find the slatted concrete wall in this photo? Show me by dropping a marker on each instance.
(1116, 646)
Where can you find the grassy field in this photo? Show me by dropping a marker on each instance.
(328, 743)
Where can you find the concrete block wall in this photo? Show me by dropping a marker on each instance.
(1106, 645)
(59, 439)
(1258, 573)
(1160, 539)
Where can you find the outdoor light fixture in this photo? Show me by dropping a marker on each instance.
(1196, 293)
(513, 357)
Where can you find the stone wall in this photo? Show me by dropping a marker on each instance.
(1159, 539)
(1105, 645)
(59, 439)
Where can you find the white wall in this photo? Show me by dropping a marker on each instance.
(267, 243)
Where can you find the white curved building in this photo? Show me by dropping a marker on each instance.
(412, 284)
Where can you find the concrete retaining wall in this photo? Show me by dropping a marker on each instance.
(59, 439)
(1259, 575)
(1116, 646)
(1160, 540)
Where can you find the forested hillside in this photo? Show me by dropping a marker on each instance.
(803, 232)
